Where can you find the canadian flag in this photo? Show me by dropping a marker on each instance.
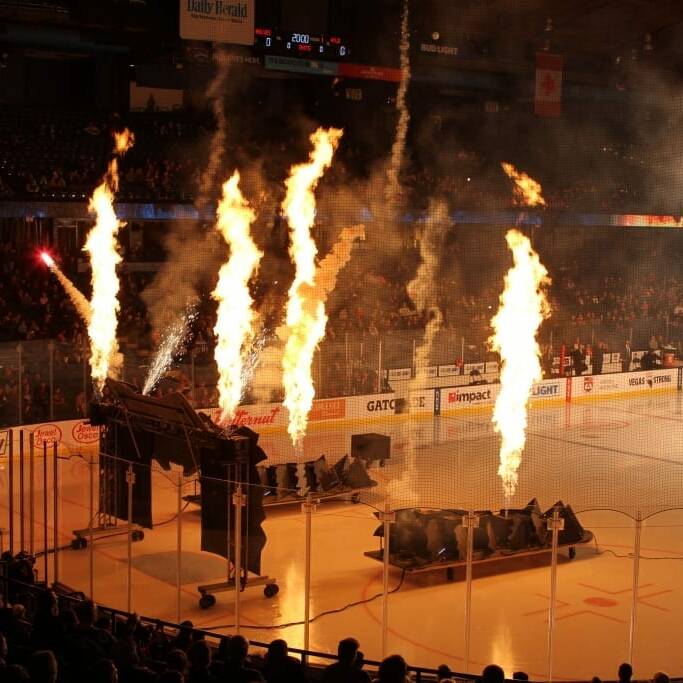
(548, 97)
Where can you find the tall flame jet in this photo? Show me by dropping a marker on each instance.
(523, 307)
(78, 299)
(306, 318)
(102, 246)
(234, 324)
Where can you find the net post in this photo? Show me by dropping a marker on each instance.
(555, 525)
(387, 518)
(634, 596)
(308, 508)
(470, 521)
(238, 502)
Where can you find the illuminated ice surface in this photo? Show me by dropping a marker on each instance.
(594, 451)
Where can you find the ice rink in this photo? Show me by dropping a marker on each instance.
(604, 457)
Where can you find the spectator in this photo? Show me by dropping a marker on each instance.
(279, 667)
(15, 674)
(234, 666)
(625, 673)
(199, 657)
(393, 669)
(520, 676)
(42, 667)
(104, 671)
(626, 357)
(597, 358)
(176, 660)
(344, 670)
(443, 673)
(660, 677)
(170, 677)
(492, 674)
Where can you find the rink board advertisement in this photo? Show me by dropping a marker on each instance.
(79, 437)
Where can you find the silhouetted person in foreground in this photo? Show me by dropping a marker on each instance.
(393, 669)
(625, 673)
(492, 674)
(345, 670)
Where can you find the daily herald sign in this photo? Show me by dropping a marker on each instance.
(220, 21)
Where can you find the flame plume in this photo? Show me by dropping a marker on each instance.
(77, 297)
(527, 191)
(330, 267)
(234, 325)
(102, 246)
(523, 307)
(306, 319)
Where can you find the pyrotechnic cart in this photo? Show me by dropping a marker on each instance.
(424, 540)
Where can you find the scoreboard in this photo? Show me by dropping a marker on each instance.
(313, 45)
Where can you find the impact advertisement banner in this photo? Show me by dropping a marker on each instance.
(219, 21)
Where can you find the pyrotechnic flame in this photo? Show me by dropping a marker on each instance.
(330, 267)
(523, 307)
(102, 246)
(527, 191)
(123, 141)
(234, 324)
(306, 319)
(172, 344)
(75, 295)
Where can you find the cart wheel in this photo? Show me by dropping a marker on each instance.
(271, 589)
(355, 498)
(572, 553)
(207, 600)
(79, 543)
(137, 535)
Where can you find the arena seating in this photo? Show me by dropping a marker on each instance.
(50, 637)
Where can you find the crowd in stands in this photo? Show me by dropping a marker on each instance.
(370, 303)
(46, 638)
(61, 155)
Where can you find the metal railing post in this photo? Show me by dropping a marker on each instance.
(470, 522)
(238, 501)
(130, 480)
(308, 508)
(387, 518)
(555, 525)
(51, 376)
(20, 388)
(634, 597)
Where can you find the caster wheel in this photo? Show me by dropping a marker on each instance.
(137, 536)
(271, 589)
(572, 553)
(79, 543)
(355, 498)
(207, 600)
(381, 463)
